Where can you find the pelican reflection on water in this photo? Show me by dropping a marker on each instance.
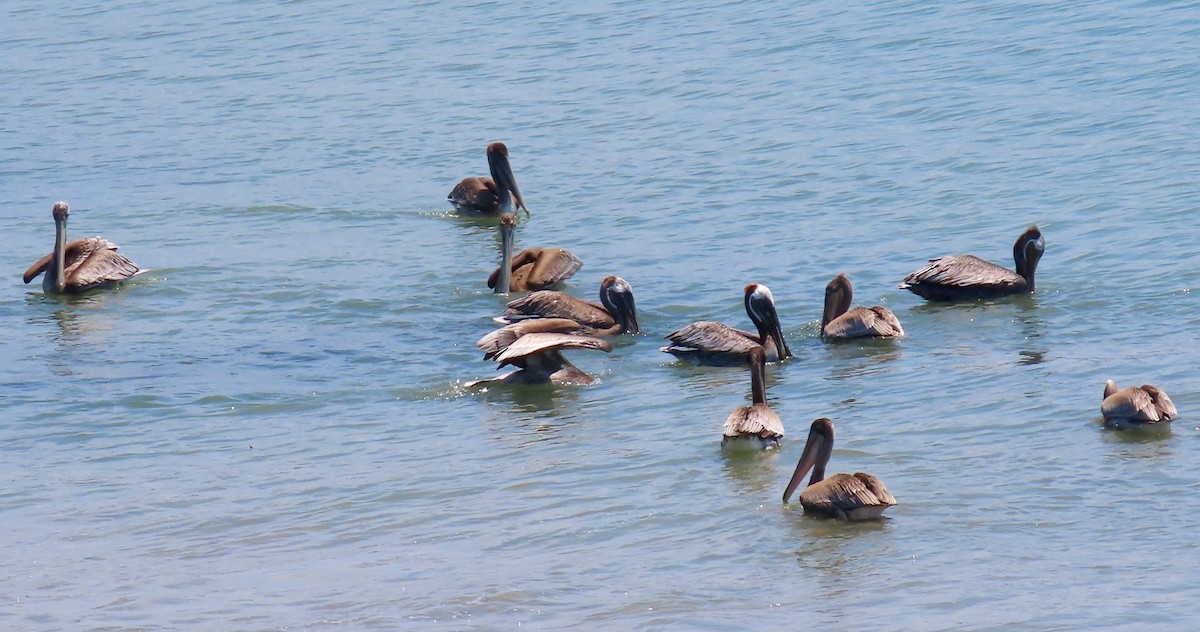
(849, 497)
(967, 276)
(616, 313)
(81, 264)
(717, 343)
(531, 270)
(489, 196)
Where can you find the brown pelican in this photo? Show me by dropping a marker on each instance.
(616, 313)
(839, 322)
(82, 264)
(1136, 406)
(857, 497)
(533, 268)
(716, 343)
(966, 276)
(535, 347)
(493, 195)
(755, 426)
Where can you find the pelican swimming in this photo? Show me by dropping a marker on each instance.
(755, 426)
(616, 313)
(717, 343)
(535, 348)
(533, 268)
(849, 497)
(81, 264)
(1136, 405)
(967, 276)
(493, 195)
(839, 322)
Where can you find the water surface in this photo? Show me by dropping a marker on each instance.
(269, 430)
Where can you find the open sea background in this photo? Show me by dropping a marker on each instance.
(270, 430)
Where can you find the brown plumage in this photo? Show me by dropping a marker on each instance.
(539, 360)
(1136, 405)
(967, 276)
(839, 322)
(755, 426)
(497, 341)
(716, 343)
(849, 497)
(80, 264)
(489, 196)
(534, 268)
(616, 314)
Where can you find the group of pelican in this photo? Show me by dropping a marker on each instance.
(540, 325)
(757, 426)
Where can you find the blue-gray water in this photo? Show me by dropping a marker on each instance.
(269, 431)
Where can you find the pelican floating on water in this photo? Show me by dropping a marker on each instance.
(716, 343)
(967, 276)
(755, 426)
(81, 264)
(616, 313)
(849, 497)
(533, 268)
(1136, 406)
(839, 322)
(535, 348)
(489, 196)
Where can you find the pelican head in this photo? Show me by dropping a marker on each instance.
(502, 174)
(1027, 251)
(617, 297)
(508, 228)
(838, 295)
(817, 451)
(760, 306)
